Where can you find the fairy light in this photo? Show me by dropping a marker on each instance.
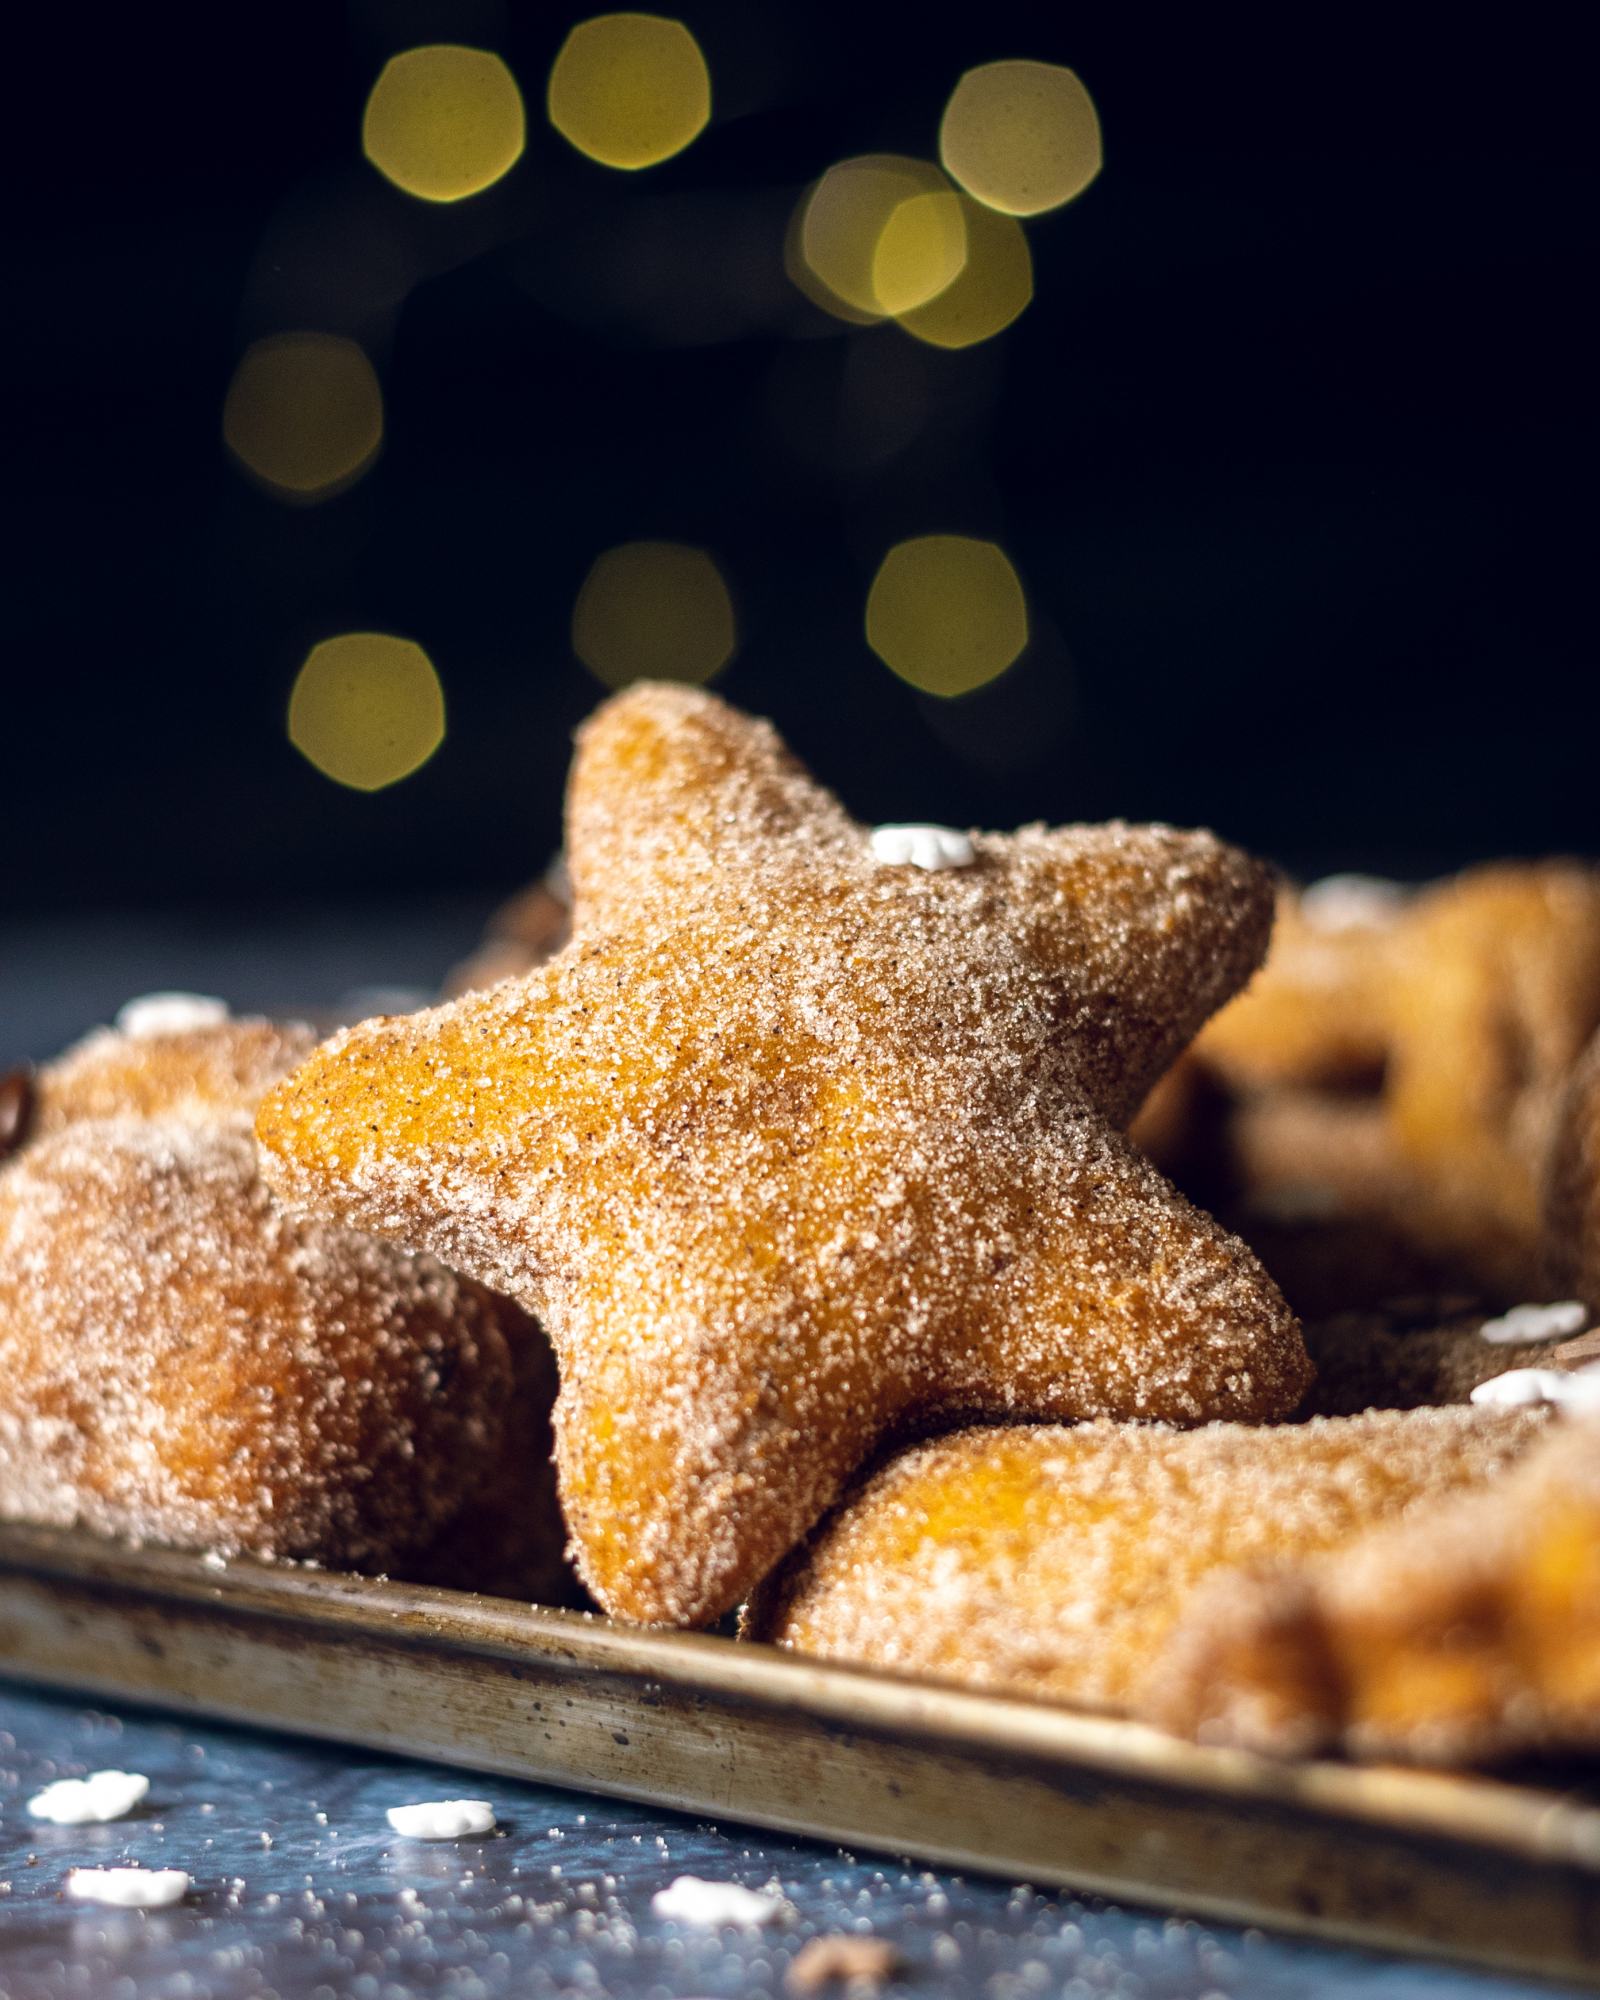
(994, 284)
(946, 613)
(367, 709)
(1021, 137)
(845, 218)
(304, 414)
(920, 252)
(654, 611)
(629, 90)
(444, 122)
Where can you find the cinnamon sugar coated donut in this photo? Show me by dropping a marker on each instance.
(1400, 1061)
(791, 1143)
(1463, 1631)
(184, 1363)
(193, 1073)
(180, 1361)
(1572, 1186)
(1059, 1562)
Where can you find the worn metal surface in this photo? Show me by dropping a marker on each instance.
(336, 1907)
(1504, 1874)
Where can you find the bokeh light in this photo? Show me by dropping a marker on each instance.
(1021, 136)
(654, 611)
(994, 284)
(843, 222)
(630, 90)
(920, 253)
(946, 613)
(444, 122)
(304, 414)
(367, 709)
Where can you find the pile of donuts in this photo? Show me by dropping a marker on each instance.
(1070, 1263)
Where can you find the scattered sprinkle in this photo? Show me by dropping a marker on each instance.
(91, 1801)
(1524, 1325)
(442, 1819)
(1351, 902)
(691, 1900)
(129, 1888)
(170, 1014)
(1575, 1394)
(931, 847)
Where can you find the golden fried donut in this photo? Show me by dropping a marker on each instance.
(295, 1389)
(196, 1073)
(1397, 1066)
(794, 1142)
(1317, 1012)
(1053, 1561)
(1497, 991)
(181, 1361)
(1572, 1186)
(1466, 1630)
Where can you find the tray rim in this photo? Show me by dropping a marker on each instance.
(1550, 1824)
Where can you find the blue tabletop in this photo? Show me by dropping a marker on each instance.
(301, 1890)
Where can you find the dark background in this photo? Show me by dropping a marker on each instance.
(1290, 449)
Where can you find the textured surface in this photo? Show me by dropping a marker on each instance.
(788, 1146)
(1463, 1631)
(1061, 1561)
(557, 1903)
(180, 1360)
(467, 1939)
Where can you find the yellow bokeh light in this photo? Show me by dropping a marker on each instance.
(843, 222)
(946, 613)
(1021, 136)
(304, 414)
(654, 611)
(994, 284)
(444, 122)
(920, 252)
(367, 709)
(630, 90)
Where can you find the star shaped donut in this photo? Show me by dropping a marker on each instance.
(793, 1146)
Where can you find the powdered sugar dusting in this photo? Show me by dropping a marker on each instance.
(787, 1146)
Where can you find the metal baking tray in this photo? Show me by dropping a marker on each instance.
(1505, 1874)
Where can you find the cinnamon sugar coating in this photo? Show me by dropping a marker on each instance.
(195, 1074)
(1465, 1631)
(1060, 1562)
(182, 1362)
(1317, 1013)
(1572, 1186)
(1499, 995)
(789, 1147)
(1404, 1068)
